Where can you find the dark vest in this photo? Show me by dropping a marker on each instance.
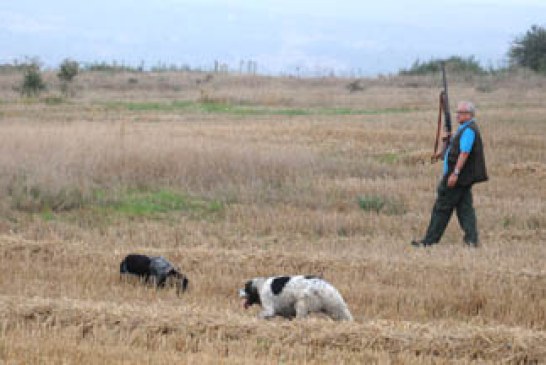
(474, 170)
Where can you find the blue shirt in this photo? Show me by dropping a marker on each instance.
(466, 142)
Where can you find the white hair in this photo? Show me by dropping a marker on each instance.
(467, 106)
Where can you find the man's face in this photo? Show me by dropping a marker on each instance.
(463, 115)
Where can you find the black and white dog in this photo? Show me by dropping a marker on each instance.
(156, 267)
(294, 296)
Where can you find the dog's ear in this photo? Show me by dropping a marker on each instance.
(181, 283)
(185, 283)
(250, 287)
(252, 294)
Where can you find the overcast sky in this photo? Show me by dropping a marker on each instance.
(348, 36)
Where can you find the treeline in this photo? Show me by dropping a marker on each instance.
(245, 66)
(527, 51)
(454, 64)
(21, 65)
(114, 66)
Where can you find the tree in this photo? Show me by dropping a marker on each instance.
(530, 49)
(32, 81)
(68, 70)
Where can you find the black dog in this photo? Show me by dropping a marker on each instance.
(156, 267)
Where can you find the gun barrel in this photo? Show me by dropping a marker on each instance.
(447, 113)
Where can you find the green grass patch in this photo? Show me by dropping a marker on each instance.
(53, 100)
(227, 108)
(389, 158)
(348, 111)
(105, 205)
(381, 204)
(161, 202)
(47, 215)
(145, 106)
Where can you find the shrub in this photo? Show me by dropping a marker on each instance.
(33, 83)
(372, 203)
(355, 86)
(381, 204)
(68, 70)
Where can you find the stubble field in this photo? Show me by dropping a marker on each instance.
(232, 177)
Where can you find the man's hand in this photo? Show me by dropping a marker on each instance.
(435, 157)
(439, 155)
(452, 180)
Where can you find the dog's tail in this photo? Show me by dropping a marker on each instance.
(123, 267)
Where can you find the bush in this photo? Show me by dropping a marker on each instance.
(380, 204)
(32, 81)
(371, 203)
(355, 86)
(454, 64)
(68, 70)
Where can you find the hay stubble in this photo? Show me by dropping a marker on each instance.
(289, 185)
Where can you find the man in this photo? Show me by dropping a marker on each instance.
(464, 165)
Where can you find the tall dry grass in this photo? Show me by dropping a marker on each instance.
(290, 188)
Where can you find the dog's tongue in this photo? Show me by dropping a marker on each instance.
(245, 304)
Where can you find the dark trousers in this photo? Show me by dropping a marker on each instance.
(460, 199)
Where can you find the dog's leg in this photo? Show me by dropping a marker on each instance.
(160, 281)
(266, 314)
(302, 309)
(145, 278)
(268, 309)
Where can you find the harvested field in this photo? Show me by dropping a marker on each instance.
(250, 176)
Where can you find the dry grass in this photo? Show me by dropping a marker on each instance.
(288, 184)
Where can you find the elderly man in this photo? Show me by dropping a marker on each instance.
(464, 165)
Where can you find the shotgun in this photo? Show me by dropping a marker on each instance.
(443, 109)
